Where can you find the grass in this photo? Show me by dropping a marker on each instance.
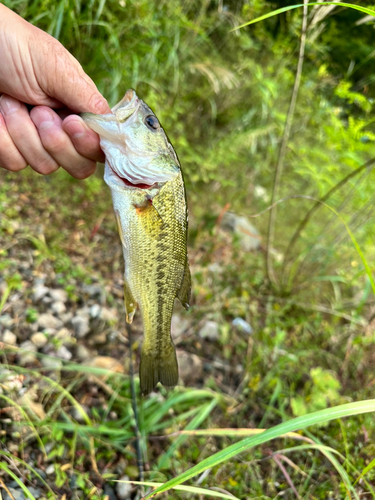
(222, 97)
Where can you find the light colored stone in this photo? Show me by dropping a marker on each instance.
(83, 353)
(58, 295)
(27, 354)
(63, 353)
(50, 470)
(58, 307)
(95, 310)
(108, 315)
(210, 331)
(190, 367)
(178, 325)
(39, 291)
(242, 326)
(81, 325)
(124, 490)
(47, 320)
(52, 363)
(39, 340)
(9, 337)
(242, 227)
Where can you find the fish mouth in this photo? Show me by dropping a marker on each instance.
(129, 184)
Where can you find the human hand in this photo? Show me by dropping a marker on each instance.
(37, 70)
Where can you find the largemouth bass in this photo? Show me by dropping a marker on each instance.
(144, 175)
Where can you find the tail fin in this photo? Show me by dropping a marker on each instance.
(157, 367)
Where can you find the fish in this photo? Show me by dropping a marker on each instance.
(149, 200)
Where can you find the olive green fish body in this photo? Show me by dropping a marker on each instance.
(154, 245)
(149, 200)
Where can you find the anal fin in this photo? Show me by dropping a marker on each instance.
(184, 291)
(130, 303)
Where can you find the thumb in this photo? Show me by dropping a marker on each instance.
(62, 78)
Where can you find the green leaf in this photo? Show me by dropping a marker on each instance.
(295, 424)
(276, 12)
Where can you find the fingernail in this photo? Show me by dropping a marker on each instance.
(9, 105)
(75, 129)
(42, 118)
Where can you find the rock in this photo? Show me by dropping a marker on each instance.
(95, 310)
(39, 291)
(210, 331)
(65, 318)
(242, 326)
(28, 356)
(178, 325)
(83, 353)
(9, 337)
(6, 320)
(65, 335)
(77, 414)
(52, 363)
(109, 315)
(242, 227)
(190, 367)
(81, 326)
(58, 307)
(106, 363)
(39, 339)
(63, 353)
(93, 290)
(58, 295)
(109, 492)
(50, 470)
(123, 490)
(16, 494)
(34, 491)
(47, 320)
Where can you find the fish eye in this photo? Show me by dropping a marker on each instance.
(152, 122)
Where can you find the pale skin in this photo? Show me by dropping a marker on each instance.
(35, 69)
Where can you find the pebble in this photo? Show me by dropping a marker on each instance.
(39, 291)
(190, 367)
(242, 326)
(16, 494)
(58, 295)
(63, 353)
(210, 331)
(93, 290)
(108, 315)
(242, 227)
(64, 334)
(50, 470)
(47, 320)
(9, 337)
(123, 490)
(178, 325)
(65, 318)
(6, 320)
(83, 353)
(27, 357)
(81, 326)
(109, 492)
(95, 310)
(52, 363)
(58, 307)
(39, 339)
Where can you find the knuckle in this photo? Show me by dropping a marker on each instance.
(55, 145)
(45, 166)
(84, 172)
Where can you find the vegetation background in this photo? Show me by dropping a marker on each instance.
(223, 97)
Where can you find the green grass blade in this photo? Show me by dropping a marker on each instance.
(190, 489)
(318, 417)
(276, 12)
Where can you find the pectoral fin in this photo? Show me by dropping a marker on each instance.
(130, 303)
(183, 293)
(119, 228)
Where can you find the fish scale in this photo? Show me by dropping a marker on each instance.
(152, 223)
